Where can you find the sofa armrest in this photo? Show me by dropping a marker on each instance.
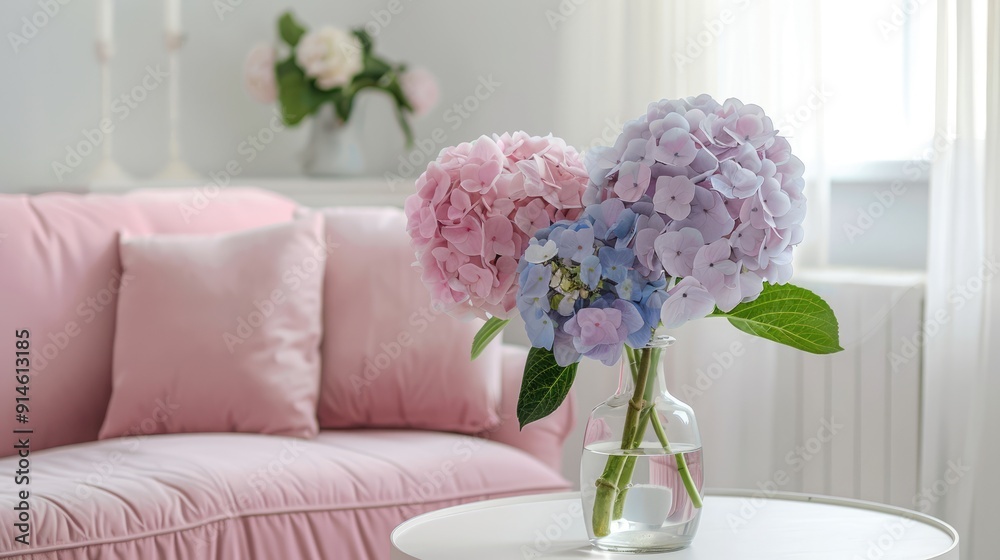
(544, 438)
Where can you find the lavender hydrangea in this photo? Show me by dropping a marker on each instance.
(719, 196)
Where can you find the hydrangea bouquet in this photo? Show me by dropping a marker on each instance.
(693, 212)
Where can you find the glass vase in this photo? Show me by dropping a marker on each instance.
(641, 474)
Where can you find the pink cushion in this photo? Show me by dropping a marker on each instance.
(391, 358)
(219, 333)
(59, 277)
(254, 497)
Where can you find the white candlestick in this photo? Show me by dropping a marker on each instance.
(173, 16)
(176, 171)
(105, 21)
(108, 173)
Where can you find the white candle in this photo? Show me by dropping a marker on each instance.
(105, 21)
(173, 16)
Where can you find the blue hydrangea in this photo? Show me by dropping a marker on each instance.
(590, 294)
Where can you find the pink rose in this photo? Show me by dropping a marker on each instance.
(420, 89)
(258, 74)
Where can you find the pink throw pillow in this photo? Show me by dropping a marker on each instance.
(219, 333)
(391, 357)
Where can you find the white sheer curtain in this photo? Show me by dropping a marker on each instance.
(961, 452)
(618, 57)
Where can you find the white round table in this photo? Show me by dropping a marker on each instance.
(735, 525)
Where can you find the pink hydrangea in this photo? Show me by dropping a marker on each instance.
(477, 206)
(728, 190)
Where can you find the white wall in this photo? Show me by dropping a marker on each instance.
(51, 94)
(51, 84)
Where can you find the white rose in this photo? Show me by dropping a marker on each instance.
(332, 56)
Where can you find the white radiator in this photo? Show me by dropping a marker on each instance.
(846, 425)
(872, 388)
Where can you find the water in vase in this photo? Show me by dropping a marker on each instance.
(654, 511)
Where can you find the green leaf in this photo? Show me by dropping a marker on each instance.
(374, 67)
(289, 29)
(487, 333)
(298, 97)
(789, 315)
(395, 89)
(544, 386)
(365, 39)
(344, 103)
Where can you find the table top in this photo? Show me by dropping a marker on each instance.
(736, 525)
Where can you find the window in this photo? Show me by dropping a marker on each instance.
(878, 57)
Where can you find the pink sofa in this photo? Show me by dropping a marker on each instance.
(214, 495)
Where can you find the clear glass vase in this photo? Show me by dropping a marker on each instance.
(641, 474)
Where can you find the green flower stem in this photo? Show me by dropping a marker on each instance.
(647, 397)
(682, 467)
(626, 472)
(606, 491)
(607, 485)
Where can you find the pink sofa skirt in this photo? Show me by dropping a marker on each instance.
(254, 497)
